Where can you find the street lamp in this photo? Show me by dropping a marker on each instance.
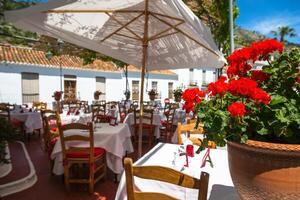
(60, 46)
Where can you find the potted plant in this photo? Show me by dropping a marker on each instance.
(97, 93)
(7, 134)
(177, 94)
(57, 95)
(257, 113)
(152, 93)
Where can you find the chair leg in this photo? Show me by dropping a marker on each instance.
(67, 183)
(91, 180)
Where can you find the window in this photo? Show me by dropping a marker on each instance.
(101, 86)
(69, 88)
(135, 90)
(170, 90)
(30, 87)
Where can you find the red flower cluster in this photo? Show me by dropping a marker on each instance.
(261, 96)
(242, 87)
(298, 80)
(218, 87)
(237, 109)
(261, 50)
(259, 75)
(248, 88)
(192, 97)
(257, 51)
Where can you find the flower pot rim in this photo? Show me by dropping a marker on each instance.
(269, 145)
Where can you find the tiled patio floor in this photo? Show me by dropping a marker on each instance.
(52, 187)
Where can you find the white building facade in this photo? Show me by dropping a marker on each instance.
(24, 82)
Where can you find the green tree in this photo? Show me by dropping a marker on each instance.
(215, 14)
(284, 31)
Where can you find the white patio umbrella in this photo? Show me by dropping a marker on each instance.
(152, 34)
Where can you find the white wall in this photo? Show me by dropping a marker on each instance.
(49, 81)
(184, 76)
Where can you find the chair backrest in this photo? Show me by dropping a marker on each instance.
(134, 105)
(36, 105)
(89, 137)
(48, 112)
(147, 116)
(51, 119)
(170, 114)
(188, 128)
(98, 110)
(84, 105)
(164, 174)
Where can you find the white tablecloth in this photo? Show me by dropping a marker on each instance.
(114, 139)
(81, 118)
(32, 120)
(156, 121)
(220, 183)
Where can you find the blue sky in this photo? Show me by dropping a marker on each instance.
(266, 15)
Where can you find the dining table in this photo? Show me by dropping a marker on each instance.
(116, 140)
(32, 120)
(220, 186)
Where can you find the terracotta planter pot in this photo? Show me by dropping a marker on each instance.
(178, 98)
(261, 170)
(57, 97)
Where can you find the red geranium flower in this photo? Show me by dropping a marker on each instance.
(298, 80)
(261, 96)
(191, 97)
(257, 51)
(259, 75)
(237, 109)
(218, 87)
(242, 87)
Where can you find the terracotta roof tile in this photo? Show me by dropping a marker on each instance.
(29, 56)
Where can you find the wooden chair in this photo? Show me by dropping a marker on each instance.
(148, 125)
(123, 111)
(93, 158)
(99, 114)
(163, 174)
(190, 130)
(51, 119)
(84, 105)
(167, 128)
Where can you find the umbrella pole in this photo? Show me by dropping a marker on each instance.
(144, 61)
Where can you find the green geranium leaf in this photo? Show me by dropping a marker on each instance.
(263, 131)
(244, 138)
(277, 99)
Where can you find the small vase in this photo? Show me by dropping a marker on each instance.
(96, 97)
(152, 97)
